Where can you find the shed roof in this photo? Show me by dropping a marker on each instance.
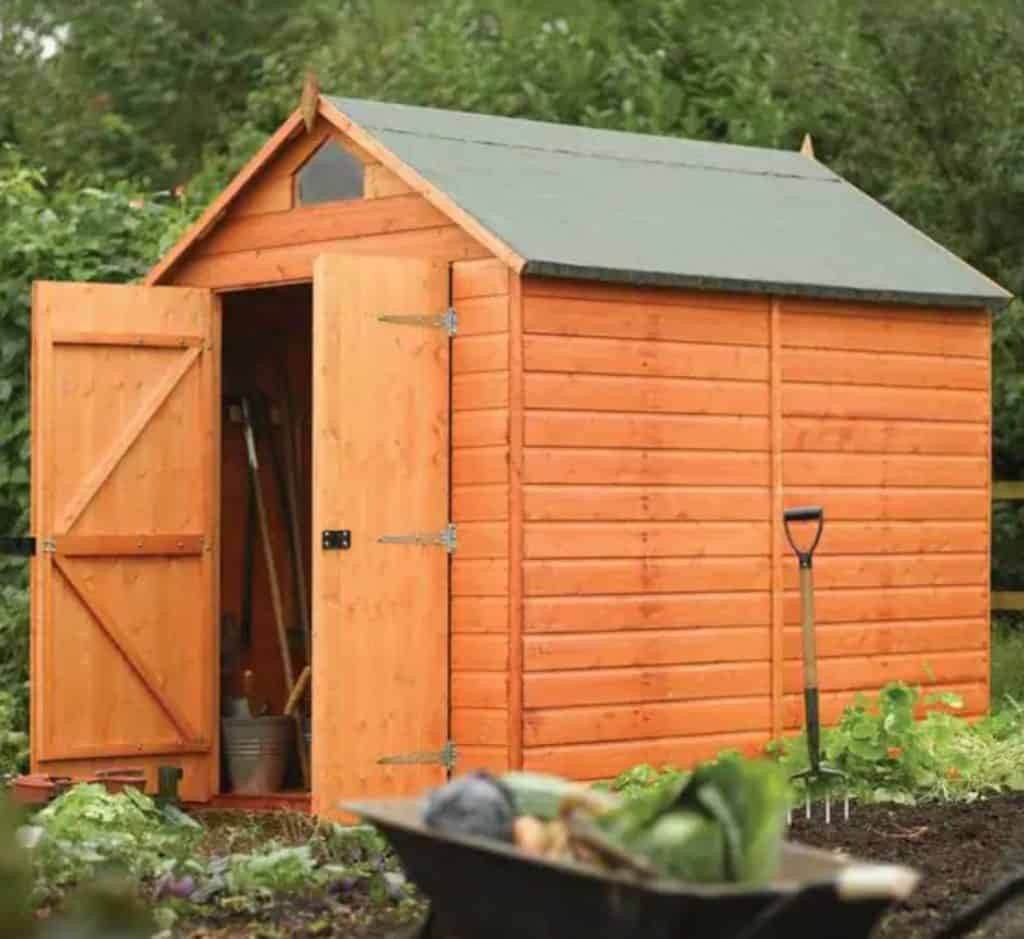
(637, 208)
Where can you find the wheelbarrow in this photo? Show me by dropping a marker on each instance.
(483, 888)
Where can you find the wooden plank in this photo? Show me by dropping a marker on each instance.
(280, 138)
(609, 318)
(379, 183)
(892, 312)
(480, 578)
(544, 615)
(375, 387)
(474, 727)
(624, 648)
(479, 652)
(294, 263)
(890, 604)
(938, 668)
(481, 353)
(555, 726)
(651, 395)
(844, 366)
(648, 431)
(122, 642)
(778, 430)
(890, 333)
(477, 465)
(618, 294)
(893, 570)
(415, 181)
(637, 685)
(67, 337)
(479, 689)
(1007, 600)
(479, 503)
(645, 467)
(892, 638)
(492, 759)
(646, 539)
(516, 549)
(327, 222)
(482, 316)
(130, 432)
(908, 503)
(483, 540)
(129, 545)
(832, 469)
(904, 537)
(484, 278)
(852, 435)
(844, 401)
(646, 575)
(481, 391)
(480, 428)
(480, 614)
(1008, 491)
(596, 761)
(646, 503)
(613, 356)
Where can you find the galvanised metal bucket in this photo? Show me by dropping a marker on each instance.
(256, 751)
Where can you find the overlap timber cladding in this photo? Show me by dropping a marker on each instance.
(653, 432)
(480, 507)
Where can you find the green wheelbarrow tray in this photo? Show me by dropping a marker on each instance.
(484, 888)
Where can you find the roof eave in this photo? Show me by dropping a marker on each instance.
(554, 269)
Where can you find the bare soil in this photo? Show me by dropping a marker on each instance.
(960, 850)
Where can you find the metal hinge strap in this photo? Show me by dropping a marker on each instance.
(448, 321)
(447, 757)
(446, 538)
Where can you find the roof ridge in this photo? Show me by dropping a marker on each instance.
(615, 157)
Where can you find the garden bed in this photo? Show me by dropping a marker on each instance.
(960, 849)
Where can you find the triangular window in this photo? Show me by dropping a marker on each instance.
(331, 174)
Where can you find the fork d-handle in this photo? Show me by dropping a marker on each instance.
(806, 558)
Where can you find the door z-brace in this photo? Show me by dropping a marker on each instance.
(445, 538)
(446, 757)
(448, 321)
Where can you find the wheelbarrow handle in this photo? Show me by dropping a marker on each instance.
(987, 904)
(807, 513)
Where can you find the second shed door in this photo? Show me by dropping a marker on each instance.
(380, 468)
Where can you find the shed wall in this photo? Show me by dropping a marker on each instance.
(663, 432)
(480, 508)
(887, 423)
(646, 492)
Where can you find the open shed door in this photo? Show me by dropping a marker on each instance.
(125, 418)
(380, 472)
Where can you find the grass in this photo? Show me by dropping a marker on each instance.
(1007, 659)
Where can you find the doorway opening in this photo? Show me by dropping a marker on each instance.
(265, 542)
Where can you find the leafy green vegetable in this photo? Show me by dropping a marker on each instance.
(723, 822)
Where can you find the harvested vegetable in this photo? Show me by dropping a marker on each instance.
(723, 823)
(542, 796)
(476, 804)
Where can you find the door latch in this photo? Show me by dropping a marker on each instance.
(336, 539)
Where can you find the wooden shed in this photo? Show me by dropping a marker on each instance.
(586, 370)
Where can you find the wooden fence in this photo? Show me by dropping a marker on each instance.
(1008, 599)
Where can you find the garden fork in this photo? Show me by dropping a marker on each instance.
(817, 771)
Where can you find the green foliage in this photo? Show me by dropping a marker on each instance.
(1007, 662)
(889, 756)
(87, 830)
(722, 822)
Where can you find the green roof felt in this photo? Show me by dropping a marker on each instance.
(635, 208)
